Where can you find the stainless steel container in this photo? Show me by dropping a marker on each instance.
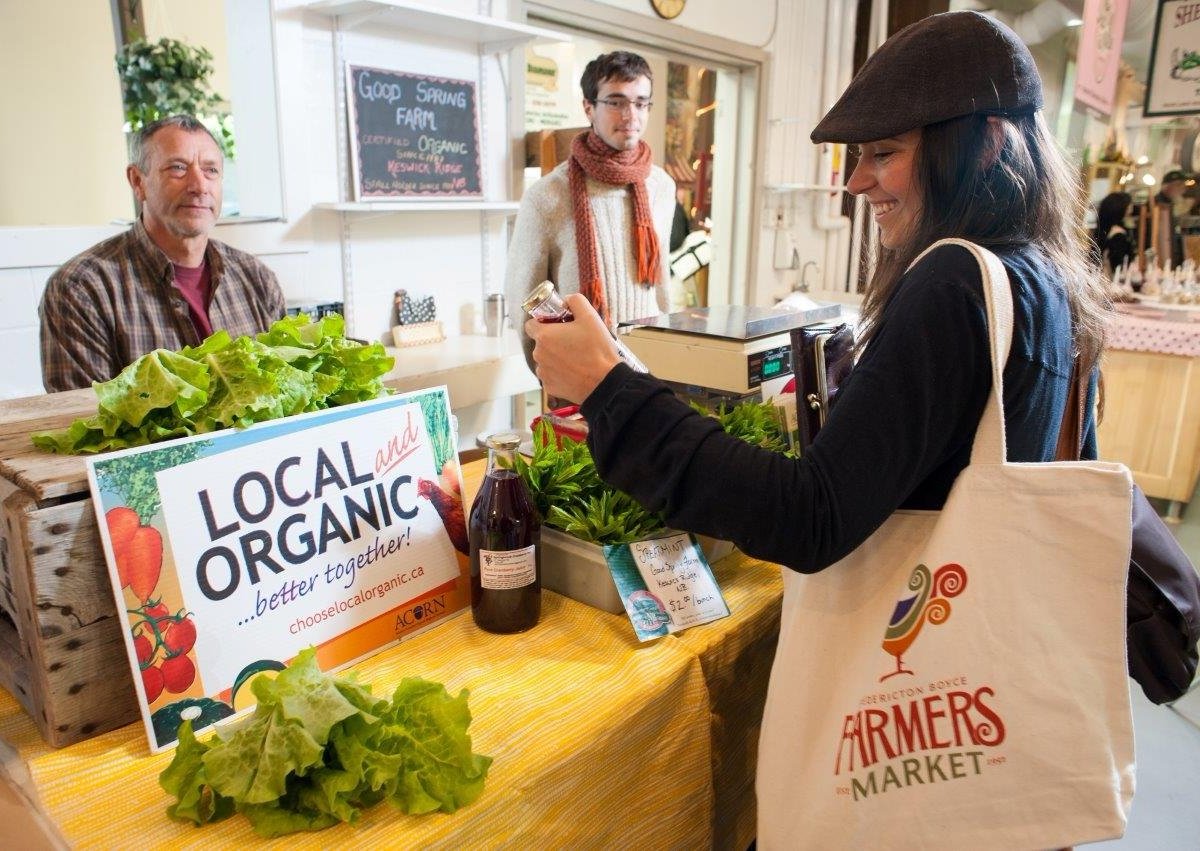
(493, 314)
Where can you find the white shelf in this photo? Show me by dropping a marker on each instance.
(474, 368)
(506, 207)
(494, 34)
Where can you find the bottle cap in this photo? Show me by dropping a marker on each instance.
(504, 440)
(539, 294)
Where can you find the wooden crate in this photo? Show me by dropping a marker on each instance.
(61, 651)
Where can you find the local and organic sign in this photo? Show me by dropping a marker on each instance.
(1173, 82)
(412, 135)
(666, 585)
(229, 553)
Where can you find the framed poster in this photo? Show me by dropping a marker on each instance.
(412, 136)
(1173, 81)
(231, 552)
(1098, 60)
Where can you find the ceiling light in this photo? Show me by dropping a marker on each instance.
(1075, 22)
(1148, 179)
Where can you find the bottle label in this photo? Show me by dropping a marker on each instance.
(500, 570)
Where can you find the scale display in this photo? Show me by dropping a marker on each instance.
(763, 366)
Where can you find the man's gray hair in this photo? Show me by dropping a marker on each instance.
(140, 157)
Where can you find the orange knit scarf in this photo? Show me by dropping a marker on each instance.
(592, 157)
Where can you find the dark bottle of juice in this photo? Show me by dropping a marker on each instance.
(506, 551)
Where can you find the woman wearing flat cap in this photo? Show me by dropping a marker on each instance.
(951, 144)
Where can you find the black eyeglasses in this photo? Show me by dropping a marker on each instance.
(622, 104)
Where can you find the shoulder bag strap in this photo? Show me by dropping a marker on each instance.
(989, 444)
(1070, 433)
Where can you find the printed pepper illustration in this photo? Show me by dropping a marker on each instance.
(928, 602)
(450, 508)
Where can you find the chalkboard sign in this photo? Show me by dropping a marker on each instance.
(412, 135)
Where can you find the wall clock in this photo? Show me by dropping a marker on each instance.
(668, 8)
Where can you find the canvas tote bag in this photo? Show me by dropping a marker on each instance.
(959, 680)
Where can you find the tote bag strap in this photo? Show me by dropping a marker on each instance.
(989, 446)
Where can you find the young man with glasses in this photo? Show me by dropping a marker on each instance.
(600, 223)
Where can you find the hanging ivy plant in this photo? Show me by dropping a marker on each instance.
(170, 77)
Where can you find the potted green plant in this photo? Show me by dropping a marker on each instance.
(170, 77)
(581, 513)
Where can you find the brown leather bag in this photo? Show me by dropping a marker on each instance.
(1162, 609)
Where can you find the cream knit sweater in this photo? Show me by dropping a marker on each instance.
(543, 245)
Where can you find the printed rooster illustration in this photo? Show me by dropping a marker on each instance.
(450, 508)
(927, 602)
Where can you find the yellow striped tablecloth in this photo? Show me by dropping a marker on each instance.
(598, 741)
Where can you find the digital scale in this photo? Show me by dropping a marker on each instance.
(724, 353)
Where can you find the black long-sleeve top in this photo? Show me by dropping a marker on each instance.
(898, 437)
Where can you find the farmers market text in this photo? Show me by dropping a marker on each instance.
(950, 734)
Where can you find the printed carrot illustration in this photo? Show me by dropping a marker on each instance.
(142, 561)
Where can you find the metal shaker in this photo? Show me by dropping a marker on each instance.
(493, 314)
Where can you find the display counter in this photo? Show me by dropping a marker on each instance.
(1151, 419)
(597, 740)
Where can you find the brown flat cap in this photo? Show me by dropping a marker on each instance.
(941, 67)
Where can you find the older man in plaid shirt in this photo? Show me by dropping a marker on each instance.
(163, 283)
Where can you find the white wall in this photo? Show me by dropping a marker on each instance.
(749, 22)
(457, 257)
(804, 36)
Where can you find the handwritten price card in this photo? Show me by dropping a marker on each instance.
(666, 585)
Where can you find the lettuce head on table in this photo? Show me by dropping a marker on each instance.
(297, 365)
(318, 749)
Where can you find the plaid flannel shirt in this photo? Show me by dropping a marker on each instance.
(117, 301)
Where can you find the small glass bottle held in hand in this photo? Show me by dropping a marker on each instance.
(506, 553)
(545, 305)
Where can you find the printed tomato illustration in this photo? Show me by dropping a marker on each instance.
(178, 673)
(143, 561)
(180, 636)
(145, 649)
(156, 612)
(152, 682)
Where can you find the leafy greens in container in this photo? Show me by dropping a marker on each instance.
(319, 748)
(297, 365)
(571, 497)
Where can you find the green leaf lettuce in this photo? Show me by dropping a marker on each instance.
(319, 748)
(297, 365)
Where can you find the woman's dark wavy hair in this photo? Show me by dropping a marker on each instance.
(1026, 192)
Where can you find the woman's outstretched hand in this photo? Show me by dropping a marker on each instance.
(572, 357)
